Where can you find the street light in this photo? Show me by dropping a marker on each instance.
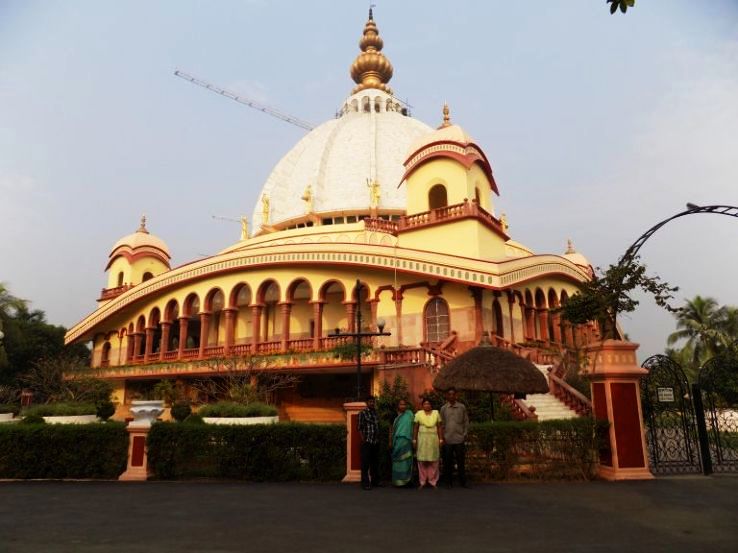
(358, 335)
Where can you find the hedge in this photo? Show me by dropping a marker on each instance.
(230, 409)
(261, 452)
(61, 409)
(63, 450)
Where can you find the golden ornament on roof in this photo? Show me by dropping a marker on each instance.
(371, 69)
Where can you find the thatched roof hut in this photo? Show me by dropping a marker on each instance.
(487, 368)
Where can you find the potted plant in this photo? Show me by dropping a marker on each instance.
(230, 412)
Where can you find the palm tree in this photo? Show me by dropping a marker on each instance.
(699, 324)
(9, 304)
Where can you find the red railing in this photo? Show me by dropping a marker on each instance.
(191, 353)
(105, 363)
(520, 410)
(381, 225)
(572, 397)
(110, 293)
(269, 347)
(302, 344)
(151, 357)
(139, 358)
(464, 210)
(404, 356)
(170, 355)
(214, 351)
(241, 349)
(330, 342)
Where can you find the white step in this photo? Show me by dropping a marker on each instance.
(549, 407)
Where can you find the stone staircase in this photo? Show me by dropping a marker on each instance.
(548, 406)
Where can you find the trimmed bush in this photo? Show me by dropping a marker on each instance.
(262, 452)
(63, 450)
(9, 408)
(60, 409)
(194, 418)
(33, 419)
(181, 410)
(231, 409)
(104, 410)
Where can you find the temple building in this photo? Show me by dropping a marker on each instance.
(407, 209)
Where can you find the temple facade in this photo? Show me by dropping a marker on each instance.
(372, 196)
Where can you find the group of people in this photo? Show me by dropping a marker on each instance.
(426, 436)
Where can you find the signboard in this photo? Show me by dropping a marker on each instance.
(665, 395)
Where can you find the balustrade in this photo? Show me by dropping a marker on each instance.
(572, 397)
(170, 355)
(302, 344)
(241, 349)
(214, 351)
(190, 353)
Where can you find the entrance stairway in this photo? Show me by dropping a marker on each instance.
(548, 406)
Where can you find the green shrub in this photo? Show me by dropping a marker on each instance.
(33, 419)
(230, 409)
(263, 452)
(104, 410)
(63, 450)
(61, 409)
(181, 410)
(9, 408)
(194, 418)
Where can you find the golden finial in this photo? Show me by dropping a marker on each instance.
(504, 222)
(446, 116)
(570, 246)
(371, 69)
(143, 228)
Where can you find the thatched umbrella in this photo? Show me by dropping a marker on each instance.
(491, 369)
(486, 368)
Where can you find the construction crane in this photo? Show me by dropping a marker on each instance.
(246, 101)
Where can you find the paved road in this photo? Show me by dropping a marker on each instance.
(685, 514)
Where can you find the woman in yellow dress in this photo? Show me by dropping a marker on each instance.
(427, 439)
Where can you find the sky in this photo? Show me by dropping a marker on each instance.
(597, 126)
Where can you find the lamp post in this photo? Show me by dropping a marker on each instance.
(357, 335)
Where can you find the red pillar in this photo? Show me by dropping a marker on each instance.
(351, 316)
(137, 337)
(318, 318)
(230, 329)
(510, 303)
(398, 311)
(164, 343)
(530, 323)
(285, 308)
(255, 326)
(204, 331)
(543, 324)
(616, 397)
(556, 324)
(183, 327)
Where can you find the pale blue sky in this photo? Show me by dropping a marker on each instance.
(597, 126)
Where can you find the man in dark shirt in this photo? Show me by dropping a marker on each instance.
(369, 433)
(455, 428)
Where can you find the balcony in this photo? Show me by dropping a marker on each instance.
(110, 293)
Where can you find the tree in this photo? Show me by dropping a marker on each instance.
(697, 324)
(622, 4)
(609, 294)
(9, 305)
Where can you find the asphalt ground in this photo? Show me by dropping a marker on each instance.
(677, 514)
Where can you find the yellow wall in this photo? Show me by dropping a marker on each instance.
(133, 273)
(468, 238)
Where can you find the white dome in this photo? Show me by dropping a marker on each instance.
(338, 158)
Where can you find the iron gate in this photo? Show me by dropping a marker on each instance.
(718, 387)
(669, 417)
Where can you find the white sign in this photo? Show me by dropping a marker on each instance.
(665, 395)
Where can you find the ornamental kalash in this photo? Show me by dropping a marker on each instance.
(372, 196)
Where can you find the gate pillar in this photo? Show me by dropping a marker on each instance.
(353, 441)
(616, 397)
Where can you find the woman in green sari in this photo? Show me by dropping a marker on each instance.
(401, 444)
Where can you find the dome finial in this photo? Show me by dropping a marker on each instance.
(570, 246)
(143, 228)
(446, 116)
(371, 69)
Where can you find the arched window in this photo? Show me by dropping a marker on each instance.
(120, 278)
(437, 197)
(147, 276)
(105, 359)
(477, 195)
(436, 320)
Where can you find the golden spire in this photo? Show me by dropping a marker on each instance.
(143, 228)
(446, 116)
(371, 69)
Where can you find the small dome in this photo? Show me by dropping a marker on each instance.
(451, 133)
(577, 258)
(140, 243)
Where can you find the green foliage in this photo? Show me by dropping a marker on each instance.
(104, 409)
(46, 379)
(60, 409)
(231, 409)
(389, 396)
(262, 452)
(10, 408)
(181, 410)
(557, 449)
(609, 293)
(347, 352)
(33, 419)
(63, 450)
(166, 390)
(622, 4)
